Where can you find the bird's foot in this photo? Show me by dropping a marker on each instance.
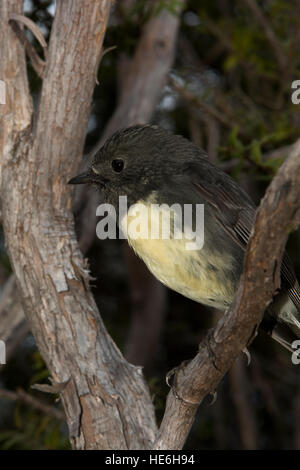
(173, 373)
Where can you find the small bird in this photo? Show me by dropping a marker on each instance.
(152, 167)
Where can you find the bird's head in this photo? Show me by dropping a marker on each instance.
(136, 161)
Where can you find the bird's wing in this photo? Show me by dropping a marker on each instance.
(235, 213)
(236, 219)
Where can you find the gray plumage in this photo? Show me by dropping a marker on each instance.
(165, 168)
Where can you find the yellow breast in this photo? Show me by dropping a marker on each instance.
(196, 274)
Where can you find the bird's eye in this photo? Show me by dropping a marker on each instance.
(117, 165)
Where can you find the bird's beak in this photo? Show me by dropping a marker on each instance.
(83, 178)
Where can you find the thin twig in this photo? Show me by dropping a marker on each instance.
(37, 63)
(22, 396)
(269, 33)
(195, 101)
(32, 27)
(102, 54)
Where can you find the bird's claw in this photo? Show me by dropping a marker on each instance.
(214, 397)
(173, 372)
(248, 355)
(170, 374)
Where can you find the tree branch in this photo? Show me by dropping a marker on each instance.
(146, 74)
(21, 396)
(196, 102)
(106, 402)
(277, 215)
(37, 63)
(16, 112)
(269, 33)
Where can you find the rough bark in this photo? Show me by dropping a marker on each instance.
(141, 86)
(106, 402)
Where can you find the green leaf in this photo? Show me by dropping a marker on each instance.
(255, 152)
(230, 62)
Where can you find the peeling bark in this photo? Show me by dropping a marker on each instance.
(50, 270)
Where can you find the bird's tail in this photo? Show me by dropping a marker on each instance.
(286, 337)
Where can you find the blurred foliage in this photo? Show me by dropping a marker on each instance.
(21, 426)
(34, 431)
(225, 61)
